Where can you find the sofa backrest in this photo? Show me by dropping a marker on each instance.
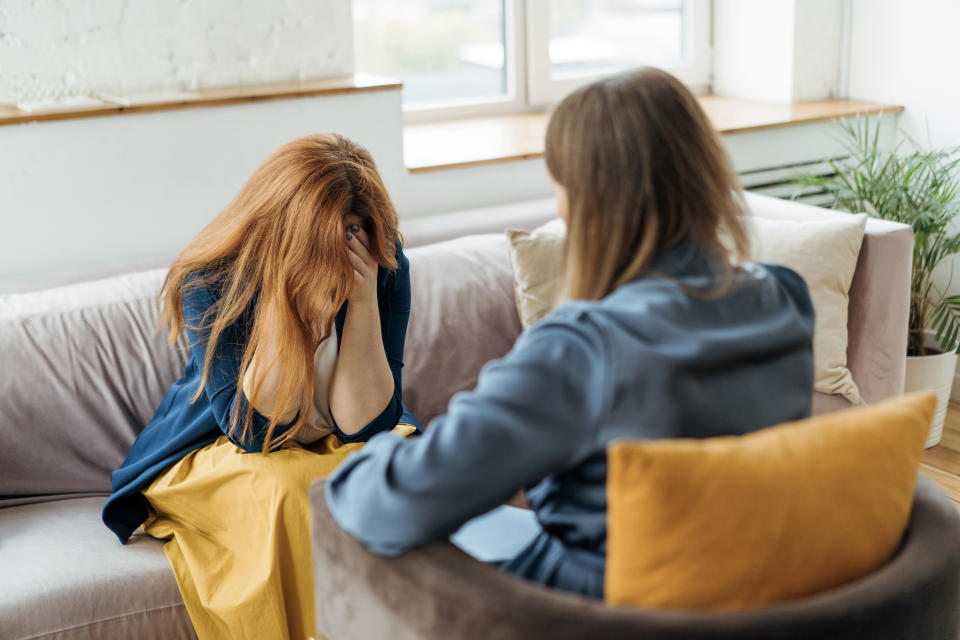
(84, 366)
(82, 369)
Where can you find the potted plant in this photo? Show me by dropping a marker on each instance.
(920, 188)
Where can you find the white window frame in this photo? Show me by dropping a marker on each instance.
(530, 87)
(515, 99)
(544, 89)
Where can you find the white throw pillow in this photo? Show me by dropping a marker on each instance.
(537, 259)
(824, 252)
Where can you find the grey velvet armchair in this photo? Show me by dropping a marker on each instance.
(438, 592)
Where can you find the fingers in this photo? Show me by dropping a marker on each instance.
(358, 246)
(358, 263)
(354, 232)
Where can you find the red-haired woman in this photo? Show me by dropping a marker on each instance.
(295, 300)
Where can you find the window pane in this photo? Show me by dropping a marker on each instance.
(442, 50)
(588, 36)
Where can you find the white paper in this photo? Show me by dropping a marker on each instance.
(497, 535)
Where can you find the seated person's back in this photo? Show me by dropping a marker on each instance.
(665, 337)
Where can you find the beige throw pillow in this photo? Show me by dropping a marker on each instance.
(824, 252)
(537, 259)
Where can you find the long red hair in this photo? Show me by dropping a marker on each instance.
(280, 247)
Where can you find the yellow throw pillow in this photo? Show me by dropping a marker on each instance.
(537, 259)
(740, 521)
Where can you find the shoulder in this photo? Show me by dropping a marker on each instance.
(395, 283)
(789, 281)
(564, 356)
(403, 263)
(199, 291)
(573, 331)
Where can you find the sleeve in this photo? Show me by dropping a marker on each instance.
(533, 413)
(796, 288)
(220, 387)
(393, 328)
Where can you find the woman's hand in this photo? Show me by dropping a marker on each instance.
(364, 289)
(362, 385)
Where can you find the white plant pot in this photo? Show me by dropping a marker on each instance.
(933, 373)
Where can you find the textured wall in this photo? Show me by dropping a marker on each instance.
(57, 49)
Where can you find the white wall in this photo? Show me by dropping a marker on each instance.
(125, 188)
(82, 194)
(753, 49)
(777, 51)
(80, 197)
(89, 196)
(906, 52)
(817, 49)
(51, 50)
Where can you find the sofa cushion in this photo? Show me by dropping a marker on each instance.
(66, 577)
(537, 260)
(791, 510)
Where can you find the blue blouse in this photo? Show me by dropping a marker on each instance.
(181, 426)
(650, 360)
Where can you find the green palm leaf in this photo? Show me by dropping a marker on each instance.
(907, 184)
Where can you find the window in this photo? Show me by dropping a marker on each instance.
(575, 41)
(443, 50)
(471, 57)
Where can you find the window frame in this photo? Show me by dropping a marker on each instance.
(531, 89)
(515, 99)
(543, 88)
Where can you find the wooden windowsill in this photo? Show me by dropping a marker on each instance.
(462, 143)
(457, 143)
(111, 105)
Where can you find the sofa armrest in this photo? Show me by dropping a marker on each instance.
(879, 310)
(363, 595)
(438, 592)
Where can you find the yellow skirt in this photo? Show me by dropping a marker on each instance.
(237, 527)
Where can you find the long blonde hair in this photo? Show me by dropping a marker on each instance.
(644, 171)
(280, 248)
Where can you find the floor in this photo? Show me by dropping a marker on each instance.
(942, 462)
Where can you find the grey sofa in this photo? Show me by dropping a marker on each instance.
(82, 368)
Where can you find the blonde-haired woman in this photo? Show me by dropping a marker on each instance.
(664, 337)
(295, 300)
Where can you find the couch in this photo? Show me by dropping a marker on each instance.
(83, 367)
